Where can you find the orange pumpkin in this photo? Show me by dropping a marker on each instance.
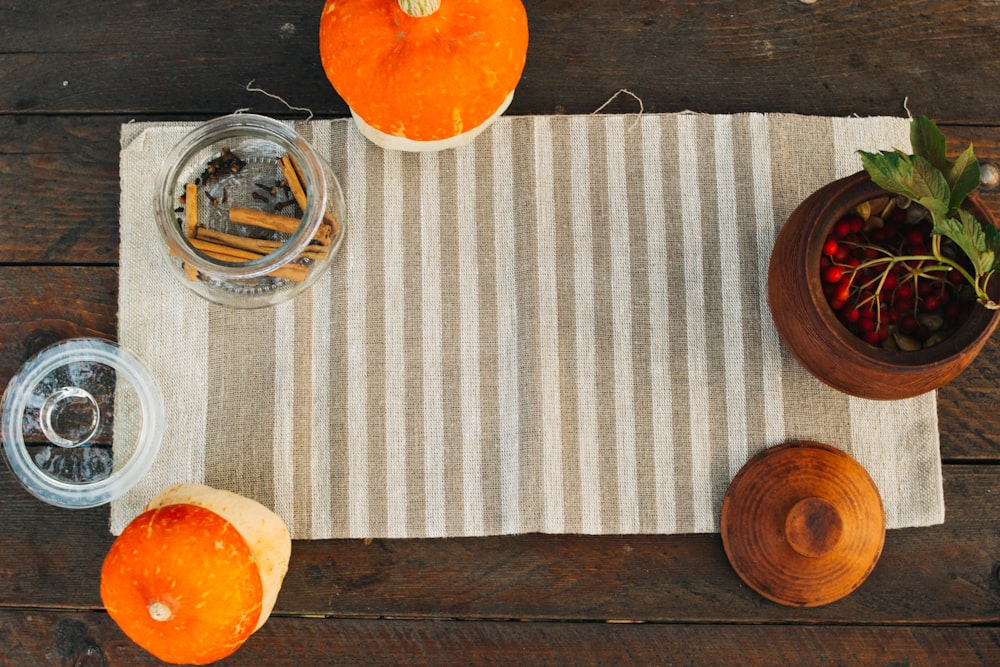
(182, 583)
(264, 531)
(196, 573)
(424, 74)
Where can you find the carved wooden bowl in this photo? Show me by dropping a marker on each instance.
(814, 336)
(803, 524)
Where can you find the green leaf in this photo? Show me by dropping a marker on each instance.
(929, 180)
(915, 178)
(928, 142)
(970, 236)
(992, 236)
(884, 168)
(963, 177)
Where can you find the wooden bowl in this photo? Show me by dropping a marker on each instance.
(802, 524)
(814, 336)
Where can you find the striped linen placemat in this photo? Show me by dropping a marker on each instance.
(562, 327)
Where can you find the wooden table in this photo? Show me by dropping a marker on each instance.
(72, 72)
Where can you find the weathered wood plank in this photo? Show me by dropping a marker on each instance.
(33, 637)
(43, 305)
(834, 57)
(60, 177)
(969, 424)
(51, 557)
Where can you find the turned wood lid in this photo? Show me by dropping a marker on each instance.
(802, 524)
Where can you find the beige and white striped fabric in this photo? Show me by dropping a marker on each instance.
(560, 328)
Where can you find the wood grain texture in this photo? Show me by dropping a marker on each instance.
(62, 177)
(71, 73)
(33, 637)
(51, 558)
(802, 524)
(41, 305)
(831, 57)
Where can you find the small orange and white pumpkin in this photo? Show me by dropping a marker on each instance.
(194, 575)
(424, 75)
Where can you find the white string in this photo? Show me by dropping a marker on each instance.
(906, 107)
(250, 88)
(612, 99)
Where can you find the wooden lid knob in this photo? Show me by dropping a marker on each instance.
(802, 524)
(813, 527)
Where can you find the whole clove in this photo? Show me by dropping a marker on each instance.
(225, 164)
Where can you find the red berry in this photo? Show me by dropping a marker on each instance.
(842, 228)
(902, 305)
(833, 274)
(915, 237)
(851, 315)
(931, 303)
(870, 337)
(830, 246)
(865, 324)
(905, 291)
(843, 291)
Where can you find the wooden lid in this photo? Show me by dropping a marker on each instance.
(802, 524)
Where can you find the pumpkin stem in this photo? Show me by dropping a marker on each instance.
(159, 611)
(418, 8)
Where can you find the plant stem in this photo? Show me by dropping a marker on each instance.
(418, 8)
(940, 263)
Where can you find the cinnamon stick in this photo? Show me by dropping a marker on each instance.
(274, 222)
(295, 272)
(262, 246)
(189, 271)
(263, 219)
(291, 174)
(290, 169)
(190, 209)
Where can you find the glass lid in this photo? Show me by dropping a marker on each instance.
(58, 423)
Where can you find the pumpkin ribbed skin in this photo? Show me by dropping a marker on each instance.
(428, 78)
(182, 583)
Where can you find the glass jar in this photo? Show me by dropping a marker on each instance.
(249, 213)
